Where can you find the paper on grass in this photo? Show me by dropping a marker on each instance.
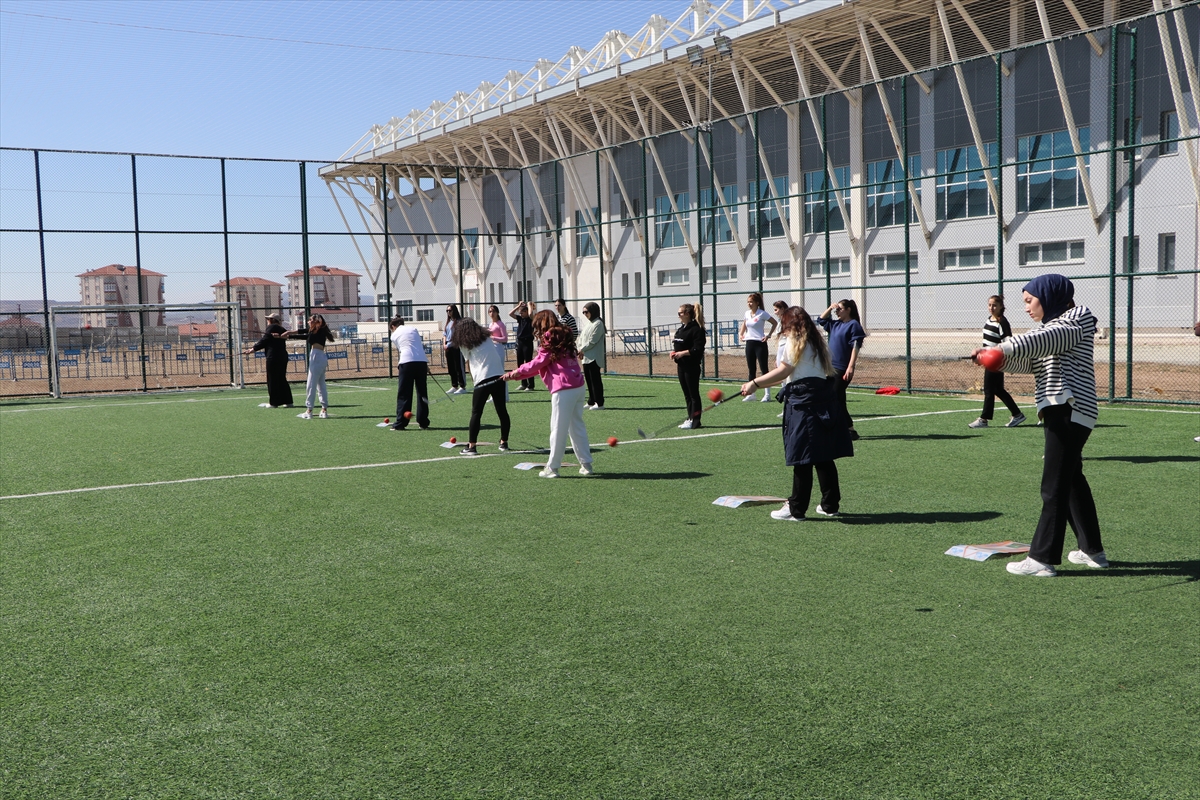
(982, 552)
(531, 465)
(735, 500)
(448, 445)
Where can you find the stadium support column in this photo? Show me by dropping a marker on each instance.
(37, 180)
(229, 318)
(137, 255)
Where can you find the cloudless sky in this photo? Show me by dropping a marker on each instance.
(246, 79)
(267, 79)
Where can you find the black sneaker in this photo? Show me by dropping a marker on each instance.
(504, 447)
(853, 435)
(468, 451)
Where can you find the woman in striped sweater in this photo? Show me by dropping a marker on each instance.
(995, 331)
(1059, 354)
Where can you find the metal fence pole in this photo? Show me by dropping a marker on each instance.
(908, 212)
(558, 204)
(1113, 110)
(758, 220)
(137, 255)
(37, 180)
(825, 203)
(458, 234)
(387, 263)
(1000, 175)
(229, 317)
(599, 236)
(646, 238)
(304, 251)
(1133, 172)
(712, 242)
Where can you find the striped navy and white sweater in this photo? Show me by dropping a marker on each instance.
(1059, 354)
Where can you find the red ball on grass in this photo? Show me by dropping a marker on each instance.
(612, 441)
(408, 415)
(386, 420)
(453, 440)
(992, 359)
(715, 395)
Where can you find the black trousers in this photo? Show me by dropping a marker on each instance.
(1066, 495)
(993, 387)
(689, 380)
(595, 384)
(842, 383)
(756, 354)
(279, 391)
(524, 356)
(454, 365)
(802, 481)
(479, 397)
(412, 376)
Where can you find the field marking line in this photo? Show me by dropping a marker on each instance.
(156, 402)
(244, 475)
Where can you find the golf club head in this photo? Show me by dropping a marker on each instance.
(642, 433)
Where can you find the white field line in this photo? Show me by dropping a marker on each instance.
(242, 475)
(243, 398)
(415, 461)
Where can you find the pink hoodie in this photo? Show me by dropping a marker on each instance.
(556, 373)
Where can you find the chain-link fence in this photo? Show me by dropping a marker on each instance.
(917, 197)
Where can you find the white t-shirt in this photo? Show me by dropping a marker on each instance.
(408, 344)
(487, 361)
(756, 324)
(809, 366)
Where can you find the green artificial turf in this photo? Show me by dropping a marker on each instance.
(459, 628)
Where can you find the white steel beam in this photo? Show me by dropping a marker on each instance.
(1063, 97)
(895, 48)
(612, 164)
(1083, 26)
(909, 188)
(1164, 36)
(983, 40)
(971, 119)
(675, 213)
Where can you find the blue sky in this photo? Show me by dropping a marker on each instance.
(294, 80)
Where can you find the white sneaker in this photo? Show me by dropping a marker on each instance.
(766, 396)
(1095, 560)
(460, 390)
(779, 415)
(597, 407)
(748, 398)
(452, 390)
(547, 473)
(305, 415)
(824, 513)
(268, 405)
(1015, 421)
(687, 425)
(324, 414)
(1027, 566)
(586, 469)
(979, 423)
(785, 514)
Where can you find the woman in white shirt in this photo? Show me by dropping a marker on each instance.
(815, 430)
(486, 357)
(755, 335)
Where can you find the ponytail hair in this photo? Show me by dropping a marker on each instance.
(695, 311)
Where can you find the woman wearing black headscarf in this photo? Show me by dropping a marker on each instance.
(1059, 353)
(279, 391)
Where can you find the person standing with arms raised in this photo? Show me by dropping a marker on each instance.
(688, 356)
(279, 392)
(524, 335)
(846, 336)
(414, 372)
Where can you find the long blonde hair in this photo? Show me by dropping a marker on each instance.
(802, 333)
(695, 311)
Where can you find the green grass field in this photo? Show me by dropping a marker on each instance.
(432, 626)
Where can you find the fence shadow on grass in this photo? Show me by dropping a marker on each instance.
(917, 518)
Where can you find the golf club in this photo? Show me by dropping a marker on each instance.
(442, 388)
(710, 407)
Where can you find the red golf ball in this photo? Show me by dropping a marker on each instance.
(453, 440)
(408, 415)
(612, 441)
(386, 420)
(991, 358)
(715, 395)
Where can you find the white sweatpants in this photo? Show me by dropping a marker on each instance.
(317, 363)
(566, 419)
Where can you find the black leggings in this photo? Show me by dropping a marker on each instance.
(524, 356)
(494, 390)
(689, 380)
(756, 353)
(454, 365)
(1066, 495)
(993, 387)
(802, 480)
(595, 384)
(842, 383)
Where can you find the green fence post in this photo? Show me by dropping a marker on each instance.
(137, 255)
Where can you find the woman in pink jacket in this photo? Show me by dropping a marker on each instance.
(557, 364)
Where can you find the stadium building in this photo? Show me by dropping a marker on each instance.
(913, 154)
